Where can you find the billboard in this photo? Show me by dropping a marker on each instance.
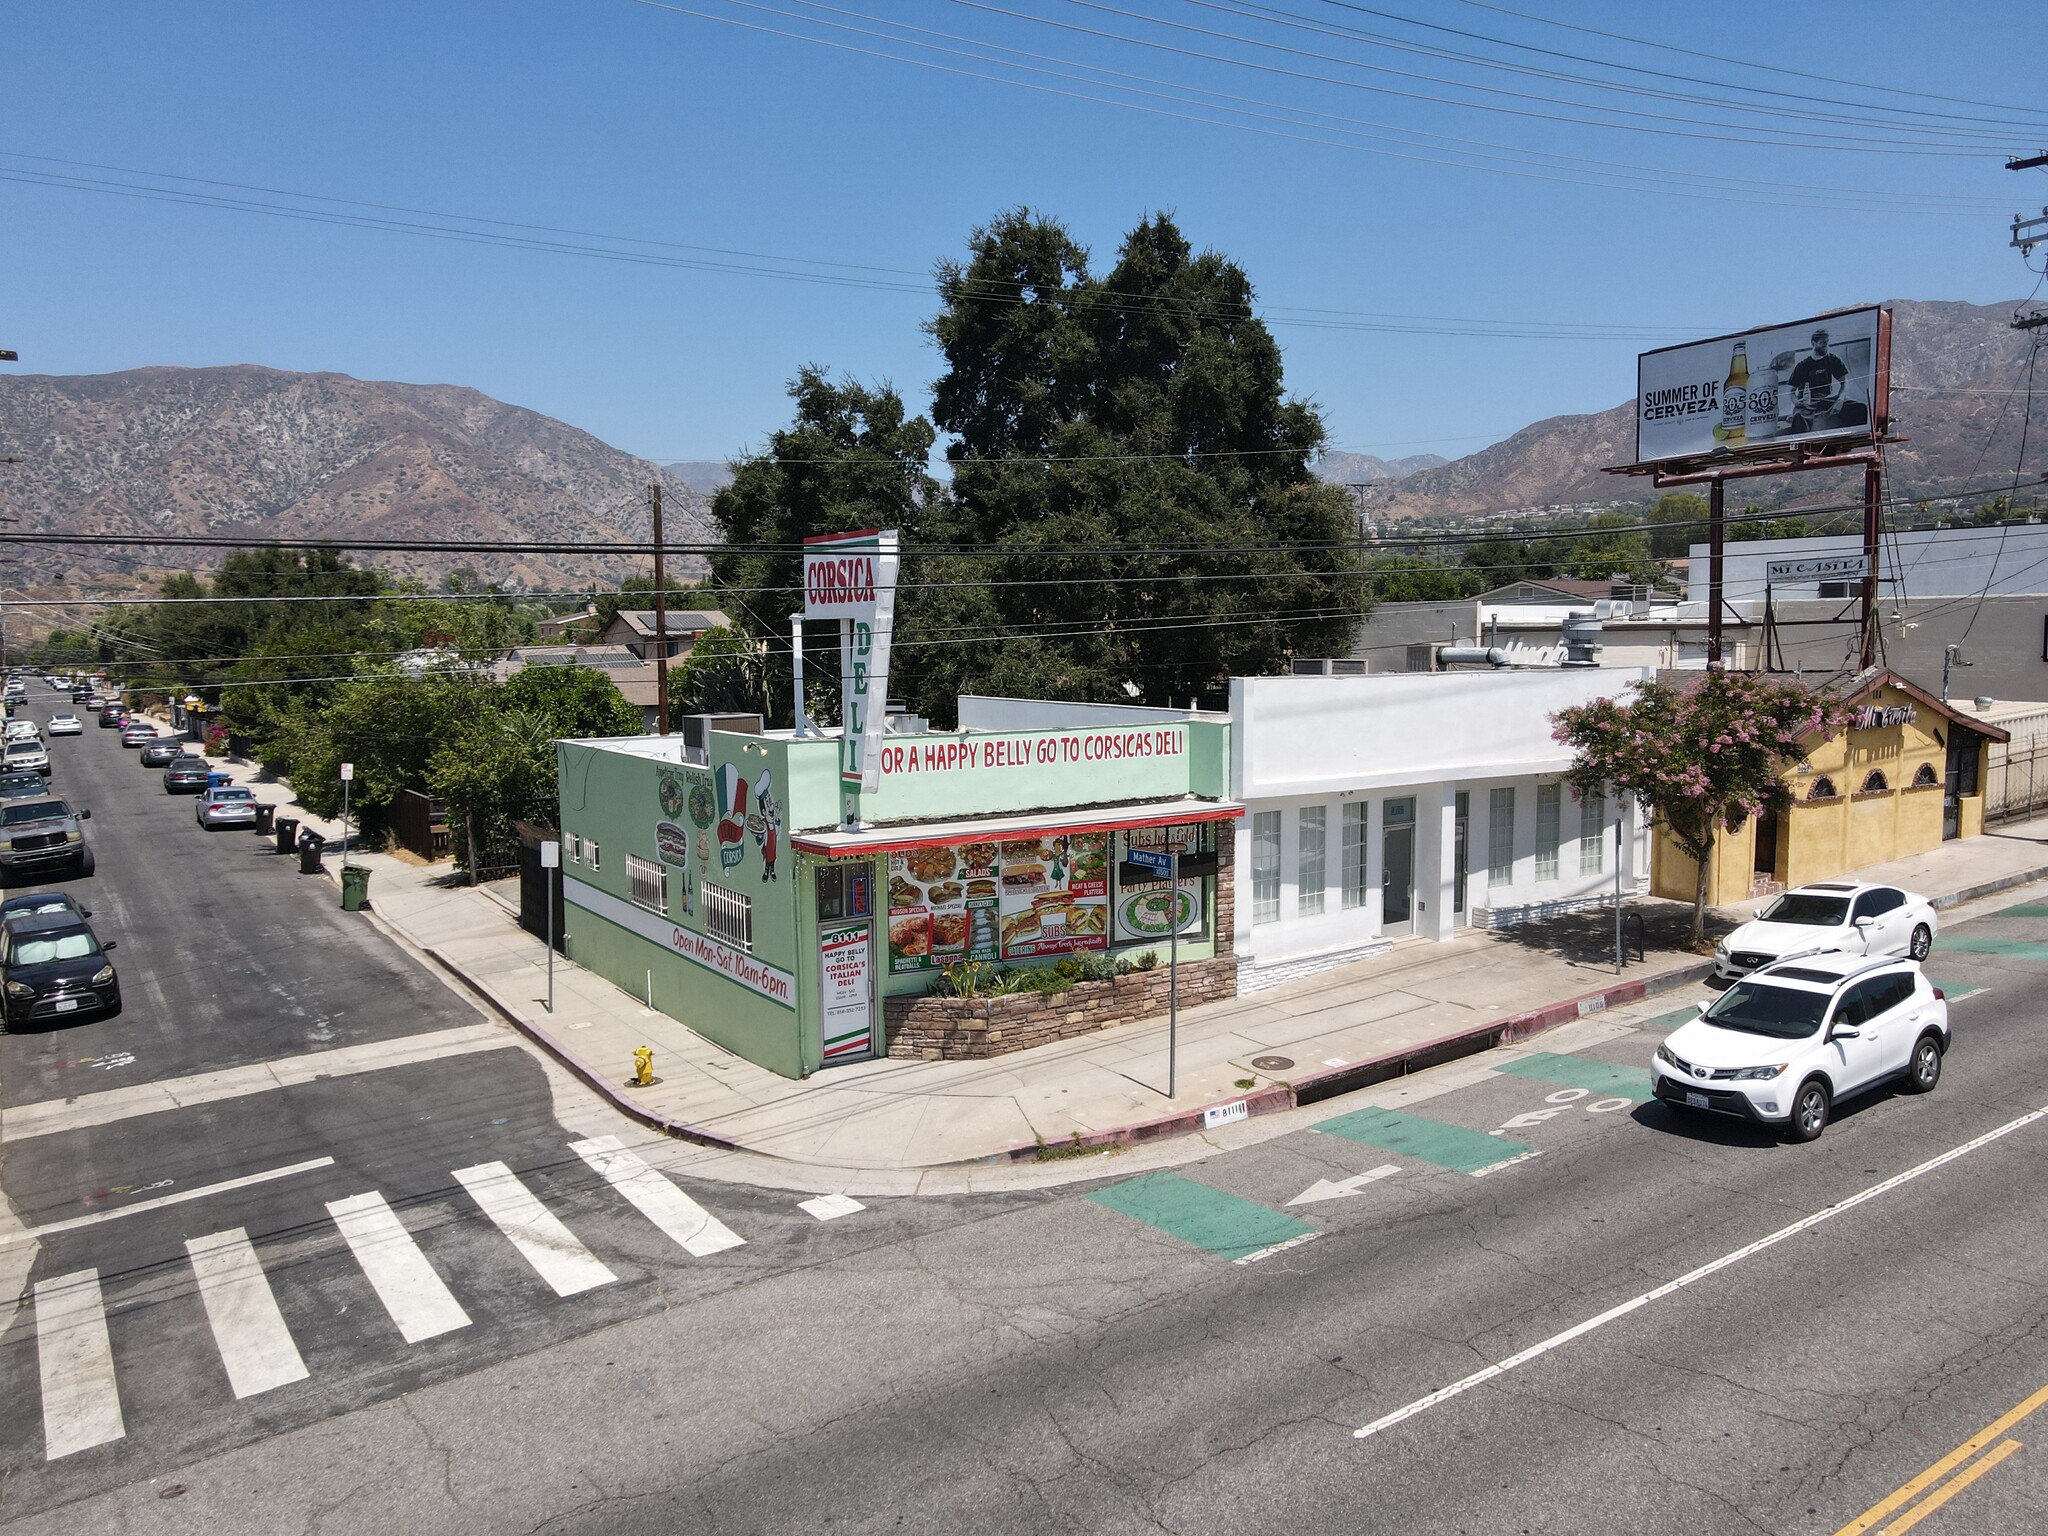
(1813, 381)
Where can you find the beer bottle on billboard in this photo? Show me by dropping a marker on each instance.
(1734, 427)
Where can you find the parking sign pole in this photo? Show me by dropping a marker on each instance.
(348, 772)
(550, 861)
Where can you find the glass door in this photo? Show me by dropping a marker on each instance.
(1458, 867)
(1397, 868)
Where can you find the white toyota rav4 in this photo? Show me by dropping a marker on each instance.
(1785, 1043)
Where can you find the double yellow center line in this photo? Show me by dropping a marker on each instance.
(1967, 1456)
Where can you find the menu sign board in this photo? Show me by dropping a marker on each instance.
(1150, 909)
(1008, 900)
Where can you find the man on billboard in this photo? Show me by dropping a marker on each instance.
(1819, 402)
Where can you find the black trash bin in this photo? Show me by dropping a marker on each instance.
(265, 815)
(287, 833)
(311, 846)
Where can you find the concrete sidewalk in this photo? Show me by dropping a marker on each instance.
(1419, 1005)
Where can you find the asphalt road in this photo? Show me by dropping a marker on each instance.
(235, 971)
(1096, 1359)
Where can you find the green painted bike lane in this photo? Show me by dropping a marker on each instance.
(1226, 1225)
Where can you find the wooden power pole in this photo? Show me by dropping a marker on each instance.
(660, 621)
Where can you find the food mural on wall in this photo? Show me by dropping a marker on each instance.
(1011, 900)
(1150, 909)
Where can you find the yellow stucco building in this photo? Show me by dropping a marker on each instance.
(1905, 775)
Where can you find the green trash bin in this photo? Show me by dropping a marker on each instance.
(355, 887)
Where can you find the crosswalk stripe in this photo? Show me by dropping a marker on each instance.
(551, 1248)
(81, 1405)
(419, 1302)
(830, 1207)
(255, 1346)
(697, 1231)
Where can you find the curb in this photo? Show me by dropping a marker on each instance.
(1275, 1099)
(590, 1075)
(1296, 1093)
(1988, 888)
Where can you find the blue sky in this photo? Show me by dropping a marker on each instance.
(629, 119)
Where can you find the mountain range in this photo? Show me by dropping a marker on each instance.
(258, 452)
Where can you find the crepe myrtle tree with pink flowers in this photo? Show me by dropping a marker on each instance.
(1698, 757)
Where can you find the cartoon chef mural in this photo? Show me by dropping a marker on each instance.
(766, 823)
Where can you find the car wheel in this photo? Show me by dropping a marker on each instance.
(1921, 943)
(87, 863)
(1809, 1111)
(1925, 1069)
(113, 1010)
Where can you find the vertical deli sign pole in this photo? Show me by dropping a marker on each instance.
(851, 577)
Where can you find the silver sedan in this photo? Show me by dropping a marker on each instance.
(228, 806)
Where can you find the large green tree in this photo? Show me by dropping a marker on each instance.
(1127, 457)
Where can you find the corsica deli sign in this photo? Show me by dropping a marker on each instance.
(1048, 749)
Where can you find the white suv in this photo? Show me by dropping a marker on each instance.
(1831, 916)
(1782, 1045)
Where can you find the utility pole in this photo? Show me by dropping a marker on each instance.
(660, 621)
(2026, 234)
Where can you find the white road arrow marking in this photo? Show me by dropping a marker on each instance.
(1327, 1189)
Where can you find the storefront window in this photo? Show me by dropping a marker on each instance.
(1309, 881)
(1356, 816)
(1266, 866)
(1500, 837)
(1549, 806)
(1593, 833)
(1011, 899)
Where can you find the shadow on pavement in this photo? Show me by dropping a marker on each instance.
(1587, 937)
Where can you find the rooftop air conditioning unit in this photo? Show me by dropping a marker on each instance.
(697, 731)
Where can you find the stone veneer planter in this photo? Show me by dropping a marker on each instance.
(972, 1028)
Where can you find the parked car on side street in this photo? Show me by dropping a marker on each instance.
(42, 834)
(22, 730)
(23, 784)
(229, 805)
(1832, 916)
(32, 755)
(41, 904)
(56, 967)
(161, 750)
(136, 732)
(1786, 1043)
(66, 725)
(187, 775)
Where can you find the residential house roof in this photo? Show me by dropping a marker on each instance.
(679, 621)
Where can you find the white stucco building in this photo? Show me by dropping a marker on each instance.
(1393, 806)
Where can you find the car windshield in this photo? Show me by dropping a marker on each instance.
(71, 944)
(1780, 1012)
(187, 764)
(36, 906)
(1806, 910)
(220, 795)
(34, 810)
(22, 748)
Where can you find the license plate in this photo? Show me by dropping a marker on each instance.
(67, 1004)
(1698, 1101)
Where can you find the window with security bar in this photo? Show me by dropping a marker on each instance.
(729, 915)
(647, 884)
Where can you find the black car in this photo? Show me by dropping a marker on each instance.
(55, 967)
(33, 904)
(112, 715)
(161, 752)
(187, 775)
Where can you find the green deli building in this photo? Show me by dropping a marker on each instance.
(800, 921)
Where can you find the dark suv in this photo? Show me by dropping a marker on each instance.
(55, 966)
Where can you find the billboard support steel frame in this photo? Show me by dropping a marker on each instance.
(1714, 471)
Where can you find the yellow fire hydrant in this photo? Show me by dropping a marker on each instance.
(643, 1067)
